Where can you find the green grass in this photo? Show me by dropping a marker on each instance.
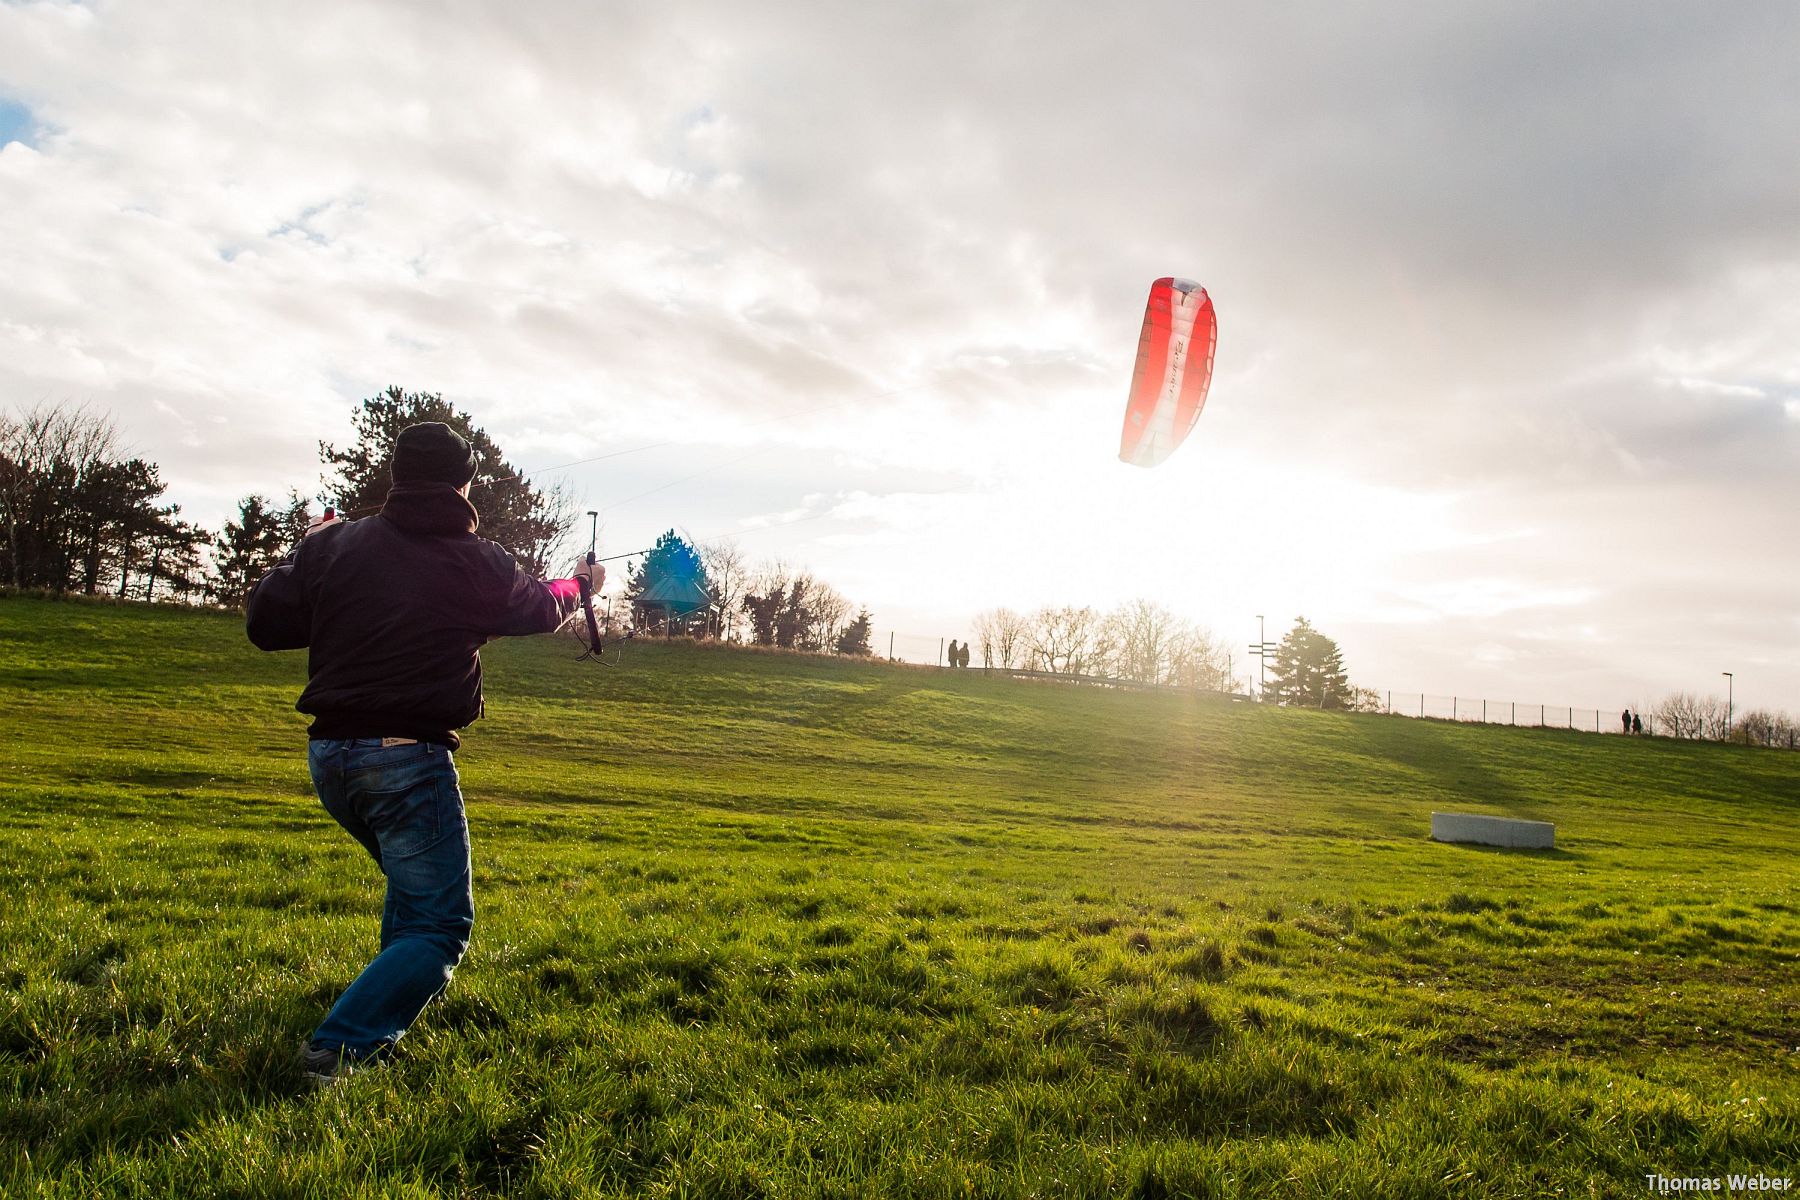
(752, 924)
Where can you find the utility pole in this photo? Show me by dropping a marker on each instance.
(1730, 686)
(1262, 648)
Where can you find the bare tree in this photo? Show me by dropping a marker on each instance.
(1786, 733)
(559, 506)
(1066, 639)
(1197, 660)
(1143, 636)
(728, 575)
(1004, 637)
(1715, 719)
(827, 610)
(769, 574)
(1677, 715)
(1756, 727)
(51, 459)
(1685, 715)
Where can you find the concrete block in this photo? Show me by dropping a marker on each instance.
(1492, 831)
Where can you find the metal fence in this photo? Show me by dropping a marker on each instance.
(926, 650)
(918, 648)
(1478, 710)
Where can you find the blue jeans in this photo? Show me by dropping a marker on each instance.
(403, 804)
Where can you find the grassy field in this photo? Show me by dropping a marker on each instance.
(760, 925)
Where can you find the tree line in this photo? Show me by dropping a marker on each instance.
(1710, 718)
(83, 516)
(713, 591)
(1142, 641)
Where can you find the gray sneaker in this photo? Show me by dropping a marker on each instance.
(326, 1066)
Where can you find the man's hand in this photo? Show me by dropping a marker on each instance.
(329, 517)
(594, 573)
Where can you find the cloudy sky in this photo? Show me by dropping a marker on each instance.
(1508, 383)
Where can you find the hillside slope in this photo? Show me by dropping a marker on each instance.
(766, 924)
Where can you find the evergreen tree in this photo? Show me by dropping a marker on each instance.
(1307, 669)
(527, 521)
(794, 617)
(153, 540)
(764, 610)
(295, 517)
(118, 510)
(172, 560)
(670, 583)
(855, 638)
(246, 550)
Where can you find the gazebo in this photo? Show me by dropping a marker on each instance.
(677, 595)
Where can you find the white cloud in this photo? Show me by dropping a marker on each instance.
(1508, 296)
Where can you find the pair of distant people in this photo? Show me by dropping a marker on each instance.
(1631, 722)
(959, 655)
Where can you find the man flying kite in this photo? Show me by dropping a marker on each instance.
(392, 611)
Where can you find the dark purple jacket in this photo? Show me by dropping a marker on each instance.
(392, 610)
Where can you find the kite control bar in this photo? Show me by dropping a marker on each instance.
(595, 646)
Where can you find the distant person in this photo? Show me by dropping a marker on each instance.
(1625, 719)
(392, 610)
(962, 656)
(1637, 723)
(952, 652)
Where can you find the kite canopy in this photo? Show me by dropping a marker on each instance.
(1174, 369)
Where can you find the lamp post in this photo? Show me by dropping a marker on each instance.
(1730, 687)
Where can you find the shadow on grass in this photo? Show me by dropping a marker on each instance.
(1547, 854)
(1446, 764)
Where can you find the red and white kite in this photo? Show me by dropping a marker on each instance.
(1174, 369)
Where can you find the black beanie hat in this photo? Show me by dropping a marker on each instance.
(432, 452)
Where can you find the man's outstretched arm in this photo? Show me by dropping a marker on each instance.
(540, 606)
(277, 615)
